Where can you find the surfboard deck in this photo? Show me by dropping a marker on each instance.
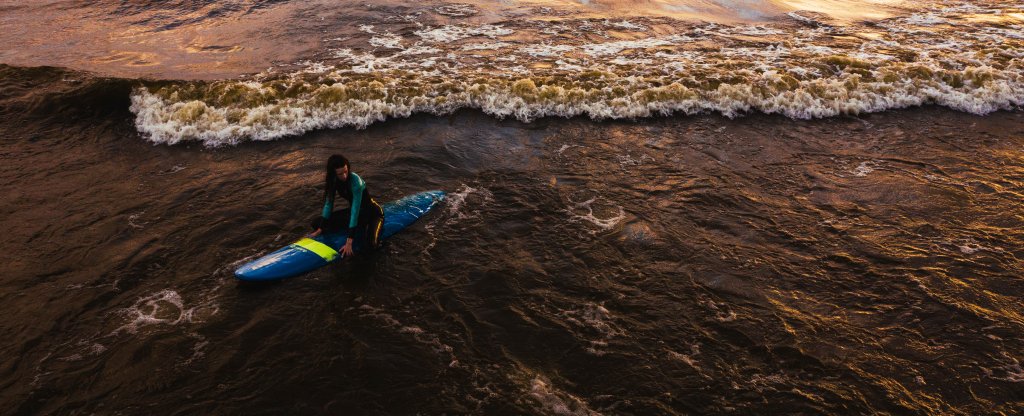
(308, 254)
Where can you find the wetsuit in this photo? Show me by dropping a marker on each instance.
(364, 218)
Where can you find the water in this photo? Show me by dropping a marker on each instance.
(672, 208)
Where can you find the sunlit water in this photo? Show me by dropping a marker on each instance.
(701, 207)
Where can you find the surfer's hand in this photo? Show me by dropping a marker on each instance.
(315, 233)
(346, 250)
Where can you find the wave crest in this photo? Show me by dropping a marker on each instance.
(226, 113)
(793, 69)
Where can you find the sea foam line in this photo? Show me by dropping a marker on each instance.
(165, 120)
(626, 79)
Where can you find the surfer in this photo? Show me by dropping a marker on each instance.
(364, 217)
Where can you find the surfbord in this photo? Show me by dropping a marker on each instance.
(308, 254)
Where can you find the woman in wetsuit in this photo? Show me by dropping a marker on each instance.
(364, 218)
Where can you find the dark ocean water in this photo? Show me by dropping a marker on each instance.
(620, 238)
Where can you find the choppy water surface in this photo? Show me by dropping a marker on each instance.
(760, 207)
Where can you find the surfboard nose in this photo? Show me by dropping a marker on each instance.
(287, 262)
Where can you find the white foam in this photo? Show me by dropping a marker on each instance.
(798, 17)
(1013, 32)
(627, 160)
(167, 121)
(415, 330)
(133, 220)
(90, 349)
(816, 50)
(37, 378)
(925, 20)
(546, 50)
(802, 78)
(418, 49)
(969, 248)
(197, 349)
(762, 382)
(237, 263)
(594, 316)
(863, 169)
(555, 29)
(567, 66)
(684, 358)
(721, 310)
(376, 313)
(677, 56)
(485, 46)
(314, 67)
(457, 10)
(419, 334)
(161, 308)
(965, 8)
(1010, 370)
(872, 56)
(456, 201)
(687, 358)
(96, 349)
(595, 319)
(174, 169)
(625, 24)
(387, 40)
(756, 31)
(631, 61)
(585, 211)
(557, 402)
(363, 63)
(454, 33)
(408, 18)
(612, 48)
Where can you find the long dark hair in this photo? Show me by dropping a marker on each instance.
(334, 162)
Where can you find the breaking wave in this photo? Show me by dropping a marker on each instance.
(967, 58)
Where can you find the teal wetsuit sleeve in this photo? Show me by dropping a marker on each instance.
(358, 187)
(328, 204)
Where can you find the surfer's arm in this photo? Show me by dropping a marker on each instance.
(328, 205)
(320, 223)
(358, 187)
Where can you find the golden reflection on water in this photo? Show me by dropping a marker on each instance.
(721, 11)
(997, 19)
(149, 41)
(158, 41)
(847, 10)
(130, 58)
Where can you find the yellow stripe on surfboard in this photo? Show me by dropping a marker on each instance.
(320, 249)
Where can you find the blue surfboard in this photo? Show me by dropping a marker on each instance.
(309, 254)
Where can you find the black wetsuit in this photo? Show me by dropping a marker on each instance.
(364, 219)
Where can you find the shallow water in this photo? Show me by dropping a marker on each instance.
(864, 263)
